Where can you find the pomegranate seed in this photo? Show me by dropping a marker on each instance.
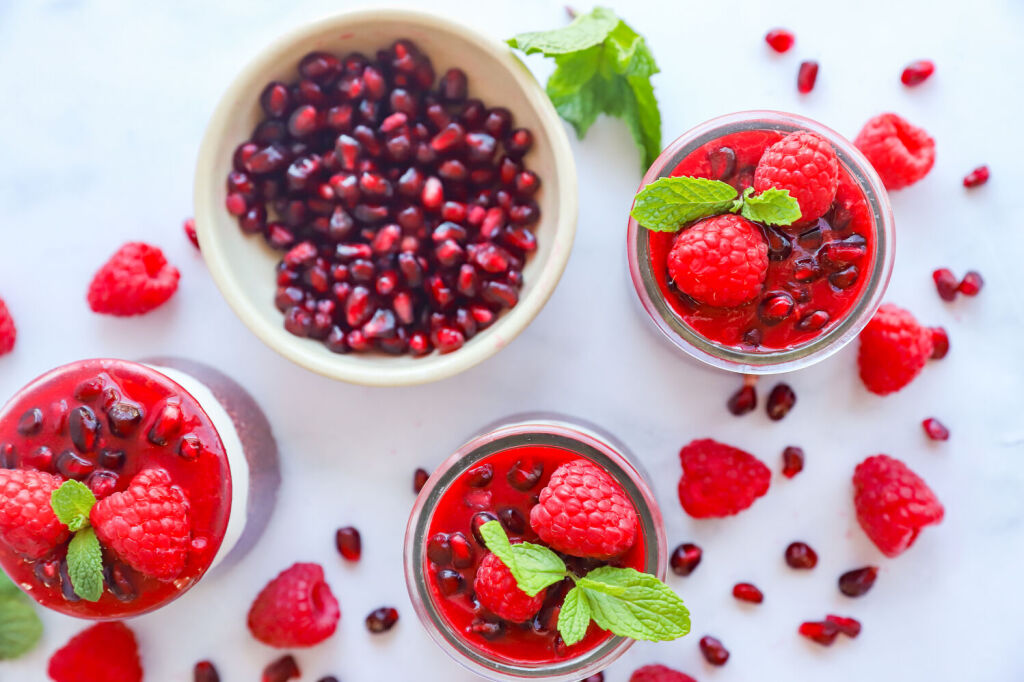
(940, 343)
(935, 429)
(235, 203)
(320, 67)
(780, 401)
(823, 633)
(945, 283)
(281, 670)
(780, 40)
(971, 284)
(303, 121)
(41, 459)
(449, 340)
(30, 422)
(917, 72)
(518, 142)
(714, 652)
(776, 307)
(525, 474)
(598, 677)
(349, 542)
(848, 626)
(792, 461)
(748, 593)
(205, 672)
(450, 582)
(685, 558)
(84, 428)
(382, 619)
(858, 581)
(480, 476)
(978, 176)
(190, 231)
(806, 76)
(419, 479)
(462, 551)
(453, 85)
(72, 465)
(800, 555)
(744, 400)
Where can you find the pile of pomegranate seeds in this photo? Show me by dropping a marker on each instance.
(404, 206)
(917, 72)
(935, 429)
(978, 176)
(806, 76)
(858, 581)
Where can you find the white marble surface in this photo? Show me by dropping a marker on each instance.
(104, 103)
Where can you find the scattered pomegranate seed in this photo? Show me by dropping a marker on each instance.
(806, 76)
(284, 668)
(917, 72)
(945, 283)
(350, 544)
(792, 461)
(940, 343)
(685, 558)
(205, 672)
(780, 401)
(935, 429)
(714, 652)
(599, 677)
(971, 284)
(419, 479)
(571, 12)
(800, 555)
(858, 581)
(978, 176)
(822, 632)
(848, 626)
(745, 399)
(382, 619)
(780, 40)
(747, 592)
(190, 231)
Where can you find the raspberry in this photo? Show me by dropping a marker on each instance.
(719, 480)
(8, 334)
(498, 592)
(134, 281)
(151, 503)
(720, 261)
(807, 166)
(893, 350)
(659, 673)
(893, 503)
(900, 152)
(27, 522)
(583, 512)
(106, 652)
(295, 609)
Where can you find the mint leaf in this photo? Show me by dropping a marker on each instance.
(634, 604)
(574, 617)
(85, 565)
(772, 206)
(71, 503)
(667, 204)
(7, 587)
(534, 567)
(20, 627)
(586, 30)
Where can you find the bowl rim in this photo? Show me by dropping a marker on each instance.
(433, 367)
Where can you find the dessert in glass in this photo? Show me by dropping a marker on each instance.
(181, 462)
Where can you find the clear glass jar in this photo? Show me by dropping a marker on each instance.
(521, 431)
(834, 336)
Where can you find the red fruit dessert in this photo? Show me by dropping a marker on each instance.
(901, 153)
(823, 276)
(893, 350)
(295, 609)
(403, 206)
(105, 652)
(172, 446)
(544, 481)
(893, 503)
(719, 480)
(136, 280)
(8, 332)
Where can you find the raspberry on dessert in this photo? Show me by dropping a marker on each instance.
(719, 480)
(721, 261)
(900, 152)
(27, 522)
(893, 350)
(8, 332)
(893, 503)
(659, 673)
(295, 609)
(106, 652)
(805, 164)
(583, 512)
(161, 511)
(497, 591)
(136, 280)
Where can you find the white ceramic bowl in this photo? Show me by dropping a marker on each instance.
(243, 265)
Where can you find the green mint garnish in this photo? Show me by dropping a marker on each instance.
(667, 204)
(623, 601)
(20, 627)
(72, 502)
(602, 66)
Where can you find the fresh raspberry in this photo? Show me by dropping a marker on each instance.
(27, 522)
(807, 166)
(8, 333)
(106, 652)
(498, 592)
(893, 503)
(134, 281)
(900, 152)
(720, 261)
(583, 512)
(719, 480)
(659, 673)
(893, 350)
(160, 510)
(295, 609)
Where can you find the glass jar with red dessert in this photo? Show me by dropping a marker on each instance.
(122, 483)
(801, 290)
(514, 479)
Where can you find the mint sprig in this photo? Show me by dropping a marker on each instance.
(20, 627)
(71, 503)
(623, 601)
(667, 204)
(602, 66)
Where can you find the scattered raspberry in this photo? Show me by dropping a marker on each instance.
(978, 176)
(900, 152)
(893, 350)
(893, 503)
(8, 333)
(161, 510)
(719, 480)
(971, 284)
(780, 40)
(583, 512)
(190, 231)
(27, 522)
(106, 652)
(807, 166)
(659, 673)
(134, 281)
(498, 592)
(917, 72)
(720, 261)
(295, 609)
